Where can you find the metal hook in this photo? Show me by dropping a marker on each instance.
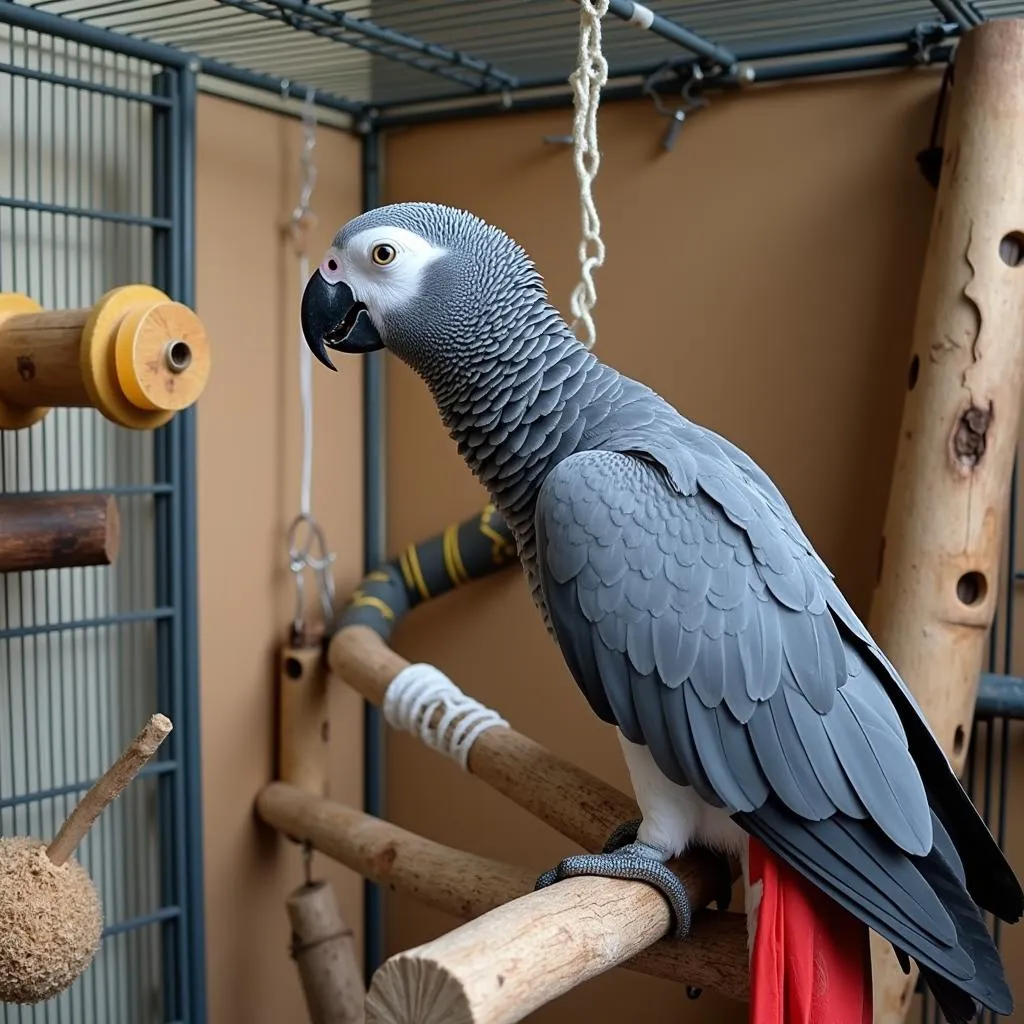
(690, 101)
(299, 559)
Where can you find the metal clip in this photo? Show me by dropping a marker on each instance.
(690, 101)
(299, 559)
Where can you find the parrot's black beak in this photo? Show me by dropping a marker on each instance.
(332, 318)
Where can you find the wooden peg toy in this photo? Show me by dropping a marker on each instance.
(135, 356)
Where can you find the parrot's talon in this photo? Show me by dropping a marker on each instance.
(693, 992)
(636, 862)
(624, 835)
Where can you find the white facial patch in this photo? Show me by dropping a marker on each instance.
(382, 288)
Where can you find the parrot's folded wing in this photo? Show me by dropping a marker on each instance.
(702, 627)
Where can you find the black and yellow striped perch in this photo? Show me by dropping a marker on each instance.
(476, 547)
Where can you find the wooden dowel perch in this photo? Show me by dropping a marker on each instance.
(135, 356)
(548, 940)
(58, 531)
(575, 803)
(542, 943)
(945, 525)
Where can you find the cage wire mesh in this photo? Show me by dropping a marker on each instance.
(403, 51)
(82, 662)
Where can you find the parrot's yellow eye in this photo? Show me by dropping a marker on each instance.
(382, 254)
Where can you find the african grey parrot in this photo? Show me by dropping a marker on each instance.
(755, 712)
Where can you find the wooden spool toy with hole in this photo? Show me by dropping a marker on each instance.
(135, 356)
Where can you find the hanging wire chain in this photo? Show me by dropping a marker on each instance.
(301, 556)
(587, 81)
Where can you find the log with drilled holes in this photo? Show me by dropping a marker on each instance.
(944, 528)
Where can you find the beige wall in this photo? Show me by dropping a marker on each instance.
(763, 277)
(249, 459)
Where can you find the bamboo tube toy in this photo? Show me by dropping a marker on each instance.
(50, 914)
(939, 566)
(323, 948)
(58, 531)
(600, 923)
(135, 356)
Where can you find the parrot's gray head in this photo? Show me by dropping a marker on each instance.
(440, 288)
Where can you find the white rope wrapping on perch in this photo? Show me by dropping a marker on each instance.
(587, 80)
(418, 692)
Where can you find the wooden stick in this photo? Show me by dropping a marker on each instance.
(58, 531)
(944, 529)
(303, 725)
(323, 949)
(107, 788)
(468, 887)
(577, 804)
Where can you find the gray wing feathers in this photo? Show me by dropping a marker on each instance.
(710, 638)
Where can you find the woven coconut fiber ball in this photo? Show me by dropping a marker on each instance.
(50, 922)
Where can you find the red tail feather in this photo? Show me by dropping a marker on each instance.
(811, 962)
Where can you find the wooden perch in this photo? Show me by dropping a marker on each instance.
(58, 531)
(135, 356)
(575, 803)
(945, 525)
(545, 942)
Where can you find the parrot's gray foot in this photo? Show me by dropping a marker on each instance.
(626, 833)
(637, 862)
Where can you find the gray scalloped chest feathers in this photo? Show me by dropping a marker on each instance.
(690, 608)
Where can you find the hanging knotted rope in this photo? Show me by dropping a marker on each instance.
(587, 81)
(300, 555)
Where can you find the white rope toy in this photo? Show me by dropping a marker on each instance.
(415, 696)
(302, 217)
(587, 80)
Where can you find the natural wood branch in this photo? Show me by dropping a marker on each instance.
(577, 804)
(600, 922)
(324, 951)
(58, 531)
(108, 788)
(135, 356)
(500, 967)
(944, 529)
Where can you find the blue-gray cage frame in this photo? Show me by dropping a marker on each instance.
(139, 623)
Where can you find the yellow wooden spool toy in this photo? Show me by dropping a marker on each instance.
(135, 356)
